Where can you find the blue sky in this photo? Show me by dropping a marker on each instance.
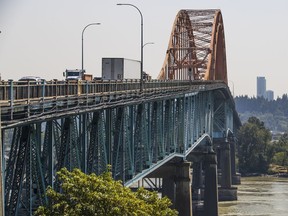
(43, 37)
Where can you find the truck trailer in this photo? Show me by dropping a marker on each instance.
(120, 68)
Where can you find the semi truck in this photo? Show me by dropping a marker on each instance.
(77, 75)
(120, 68)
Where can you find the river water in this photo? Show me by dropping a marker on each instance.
(261, 196)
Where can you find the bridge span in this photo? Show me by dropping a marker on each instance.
(186, 120)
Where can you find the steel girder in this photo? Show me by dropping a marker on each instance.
(133, 138)
(196, 48)
(223, 116)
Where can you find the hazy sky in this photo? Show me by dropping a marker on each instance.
(43, 37)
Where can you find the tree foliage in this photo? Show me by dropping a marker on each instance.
(100, 195)
(280, 148)
(273, 113)
(254, 150)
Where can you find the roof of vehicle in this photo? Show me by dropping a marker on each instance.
(32, 78)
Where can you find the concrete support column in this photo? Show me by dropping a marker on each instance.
(233, 156)
(226, 191)
(226, 180)
(211, 185)
(169, 189)
(197, 180)
(236, 177)
(183, 202)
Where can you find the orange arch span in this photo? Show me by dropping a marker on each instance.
(196, 47)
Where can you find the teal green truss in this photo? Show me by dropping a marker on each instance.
(133, 136)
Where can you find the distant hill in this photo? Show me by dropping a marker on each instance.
(273, 113)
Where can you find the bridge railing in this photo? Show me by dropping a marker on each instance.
(12, 91)
(19, 90)
(19, 100)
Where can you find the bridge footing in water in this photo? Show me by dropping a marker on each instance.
(236, 179)
(227, 194)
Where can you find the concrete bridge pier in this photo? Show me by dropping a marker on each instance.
(177, 187)
(197, 181)
(236, 177)
(169, 189)
(183, 179)
(226, 191)
(197, 186)
(211, 185)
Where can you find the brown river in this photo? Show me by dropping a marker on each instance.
(259, 196)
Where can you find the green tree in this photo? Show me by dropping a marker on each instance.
(280, 158)
(83, 195)
(281, 151)
(255, 153)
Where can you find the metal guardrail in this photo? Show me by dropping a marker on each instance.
(14, 91)
(20, 99)
(18, 90)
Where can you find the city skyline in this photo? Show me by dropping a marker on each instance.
(262, 91)
(44, 38)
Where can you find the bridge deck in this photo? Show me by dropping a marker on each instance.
(21, 101)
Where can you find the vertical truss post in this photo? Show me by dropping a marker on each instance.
(14, 196)
(138, 145)
(161, 112)
(209, 114)
(47, 153)
(131, 139)
(186, 119)
(117, 151)
(91, 152)
(154, 132)
(83, 132)
(11, 163)
(2, 186)
(108, 134)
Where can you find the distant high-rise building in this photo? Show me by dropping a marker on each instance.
(269, 95)
(261, 87)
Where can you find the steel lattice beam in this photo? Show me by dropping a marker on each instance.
(196, 49)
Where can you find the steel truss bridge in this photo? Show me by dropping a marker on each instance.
(188, 114)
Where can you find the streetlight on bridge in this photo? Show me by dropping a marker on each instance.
(82, 67)
(146, 75)
(147, 43)
(141, 48)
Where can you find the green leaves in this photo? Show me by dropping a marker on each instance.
(253, 141)
(100, 195)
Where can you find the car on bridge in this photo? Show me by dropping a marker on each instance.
(34, 79)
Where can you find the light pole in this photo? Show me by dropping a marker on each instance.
(141, 62)
(83, 40)
(146, 75)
